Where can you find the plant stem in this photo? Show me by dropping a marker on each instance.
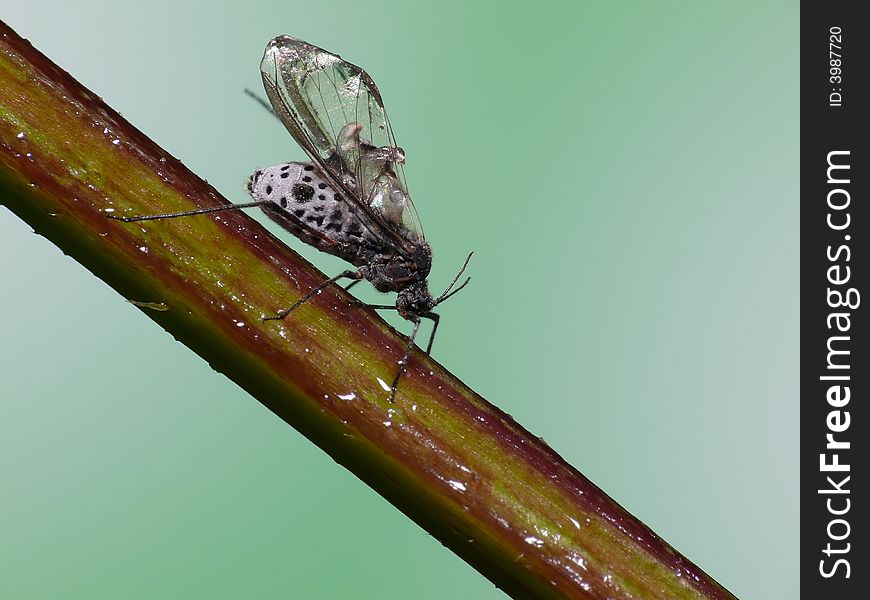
(462, 469)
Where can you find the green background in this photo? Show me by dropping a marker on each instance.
(627, 175)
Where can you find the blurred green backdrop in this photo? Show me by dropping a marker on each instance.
(627, 175)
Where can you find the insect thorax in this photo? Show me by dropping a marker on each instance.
(392, 272)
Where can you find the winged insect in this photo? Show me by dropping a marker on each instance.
(350, 200)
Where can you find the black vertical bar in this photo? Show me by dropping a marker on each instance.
(835, 169)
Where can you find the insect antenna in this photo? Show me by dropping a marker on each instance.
(262, 102)
(186, 213)
(447, 293)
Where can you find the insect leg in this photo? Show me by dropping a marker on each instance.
(435, 320)
(283, 314)
(402, 363)
(351, 284)
(374, 306)
(185, 213)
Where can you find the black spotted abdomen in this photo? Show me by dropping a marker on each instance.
(300, 200)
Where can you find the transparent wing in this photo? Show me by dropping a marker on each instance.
(335, 112)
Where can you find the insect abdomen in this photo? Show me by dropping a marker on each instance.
(300, 200)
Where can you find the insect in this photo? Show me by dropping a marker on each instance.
(351, 199)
